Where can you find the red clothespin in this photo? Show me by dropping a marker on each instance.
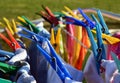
(49, 16)
(12, 42)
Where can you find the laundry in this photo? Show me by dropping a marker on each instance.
(74, 48)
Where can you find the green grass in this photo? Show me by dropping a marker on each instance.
(14, 8)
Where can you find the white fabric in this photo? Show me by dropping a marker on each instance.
(90, 71)
(110, 68)
(116, 77)
(26, 78)
(20, 54)
(67, 80)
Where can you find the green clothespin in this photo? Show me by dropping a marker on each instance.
(114, 56)
(6, 68)
(31, 25)
(5, 81)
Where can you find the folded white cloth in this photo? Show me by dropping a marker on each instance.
(20, 54)
(90, 71)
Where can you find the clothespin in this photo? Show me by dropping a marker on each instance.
(104, 26)
(8, 25)
(55, 41)
(12, 42)
(6, 68)
(107, 39)
(61, 70)
(88, 20)
(5, 81)
(101, 49)
(117, 61)
(49, 16)
(30, 24)
(5, 55)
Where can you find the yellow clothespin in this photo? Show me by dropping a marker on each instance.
(108, 39)
(14, 26)
(21, 19)
(8, 25)
(56, 40)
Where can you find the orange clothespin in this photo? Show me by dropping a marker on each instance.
(12, 42)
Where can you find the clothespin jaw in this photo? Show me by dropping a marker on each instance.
(114, 56)
(49, 16)
(88, 20)
(31, 25)
(104, 26)
(12, 42)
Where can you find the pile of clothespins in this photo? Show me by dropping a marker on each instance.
(75, 49)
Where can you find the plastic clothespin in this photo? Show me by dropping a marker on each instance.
(31, 25)
(88, 20)
(104, 26)
(117, 61)
(5, 55)
(55, 41)
(6, 68)
(5, 81)
(8, 25)
(107, 39)
(49, 16)
(34, 37)
(101, 49)
(12, 42)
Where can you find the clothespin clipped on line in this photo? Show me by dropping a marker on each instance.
(107, 39)
(49, 16)
(5, 81)
(5, 55)
(12, 42)
(117, 61)
(28, 23)
(11, 26)
(6, 68)
(102, 22)
(61, 70)
(55, 41)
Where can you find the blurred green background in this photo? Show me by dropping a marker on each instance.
(13, 8)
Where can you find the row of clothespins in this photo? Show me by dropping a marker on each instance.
(72, 35)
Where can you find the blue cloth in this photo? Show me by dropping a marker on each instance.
(38, 64)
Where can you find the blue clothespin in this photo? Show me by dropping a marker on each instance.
(117, 61)
(4, 55)
(61, 70)
(104, 26)
(101, 49)
(88, 20)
